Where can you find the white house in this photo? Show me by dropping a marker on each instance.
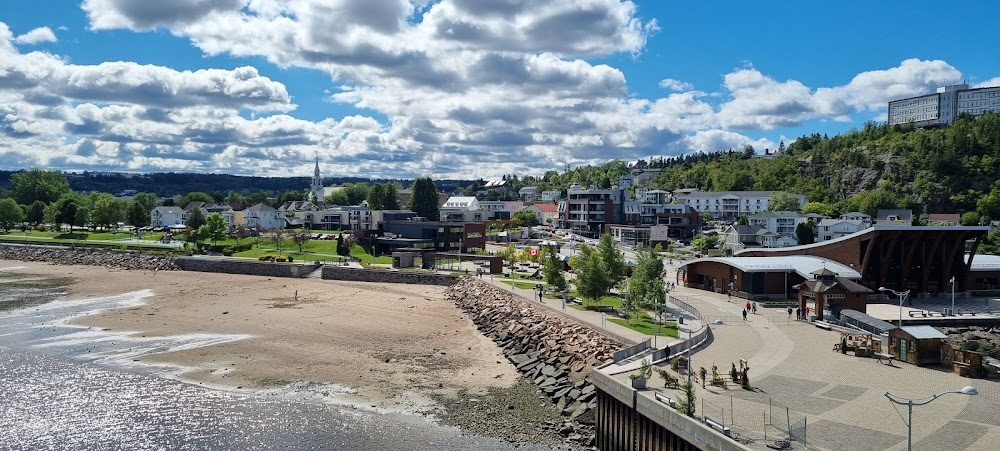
(263, 217)
(298, 213)
(782, 223)
(529, 193)
(546, 213)
(857, 216)
(167, 216)
(731, 204)
(550, 196)
(835, 228)
(894, 217)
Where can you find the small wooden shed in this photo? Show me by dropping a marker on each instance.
(919, 345)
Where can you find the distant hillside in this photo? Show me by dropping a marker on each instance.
(170, 184)
(953, 169)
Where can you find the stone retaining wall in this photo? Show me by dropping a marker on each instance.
(87, 256)
(556, 354)
(386, 276)
(241, 266)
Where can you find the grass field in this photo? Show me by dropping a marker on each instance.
(359, 253)
(644, 324)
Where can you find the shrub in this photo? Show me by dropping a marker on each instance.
(290, 259)
(280, 259)
(264, 257)
(227, 251)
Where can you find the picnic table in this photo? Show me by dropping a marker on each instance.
(884, 358)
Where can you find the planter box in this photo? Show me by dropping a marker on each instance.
(638, 384)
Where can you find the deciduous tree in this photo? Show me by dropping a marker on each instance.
(805, 233)
(214, 228)
(11, 213)
(614, 261)
(424, 199)
(36, 184)
(592, 279)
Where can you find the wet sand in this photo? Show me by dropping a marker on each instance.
(386, 345)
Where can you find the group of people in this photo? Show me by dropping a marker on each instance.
(751, 307)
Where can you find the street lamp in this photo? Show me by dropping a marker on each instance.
(902, 295)
(952, 295)
(909, 403)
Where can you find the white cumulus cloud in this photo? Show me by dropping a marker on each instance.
(40, 34)
(676, 85)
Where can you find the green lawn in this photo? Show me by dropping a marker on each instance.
(606, 301)
(644, 324)
(359, 253)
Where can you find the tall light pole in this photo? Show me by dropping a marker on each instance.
(902, 295)
(952, 295)
(909, 403)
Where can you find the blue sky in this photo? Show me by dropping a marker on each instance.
(455, 88)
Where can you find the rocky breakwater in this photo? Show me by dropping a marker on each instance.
(985, 340)
(90, 257)
(556, 353)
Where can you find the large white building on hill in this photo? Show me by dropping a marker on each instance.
(943, 106)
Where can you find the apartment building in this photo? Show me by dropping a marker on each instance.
(587, 210)
(943, 106)
(731, 204)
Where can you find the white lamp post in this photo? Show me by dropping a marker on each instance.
(952, 295)
(902, 295)
(909, 403)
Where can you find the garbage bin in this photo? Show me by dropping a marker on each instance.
(680, 320)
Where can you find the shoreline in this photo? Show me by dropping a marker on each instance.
(381, 347)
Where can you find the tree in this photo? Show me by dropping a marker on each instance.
(686, 403)
(137, 214)
(195, 219)
(341, 250)
(391, 197)
(300, 238)
(35, 213)
(742, 220)
(424, 199)
(196, 196)
(969, 218)
(36, 184)
(592, 280)
(819, 208)
(527, 218)
(805, 233)
(338, 197)
(106, 210)
(290, 196)
(64, 210)
(552, 272)
(277, 236)
(356, 192)
(148, 201)
(782, 201)
(646, 287)
(376, 197)
(614, 261)
(11, 213)
(214, 228)
(705, 242)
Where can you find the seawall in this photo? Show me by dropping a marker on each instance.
(244, 266)
(386, 276)
(555, 353)
(87, 256)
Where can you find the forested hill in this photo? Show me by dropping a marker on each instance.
(952, 169)
(170, 184)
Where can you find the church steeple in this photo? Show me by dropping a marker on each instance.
(316, 188)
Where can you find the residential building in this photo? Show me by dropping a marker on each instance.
(857, 216)
(495, 186)
(550, 196)
(943, 106)
(529, 193)
(547, 213)
(298, 214)
(829, 229)
(587, 210)
(440, 236)
(167, 216)
(234, 218)
(352, 217)
(739, 237)
(626, 180)
(648, 195)
(944, 219)
(263, 217)
(460, 209)
(731, 204)
(499, 209)
(629, 235)
(782, 223)
(644, 172)
(894, 217)
(681, 220)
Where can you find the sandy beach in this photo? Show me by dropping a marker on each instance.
(392, 346)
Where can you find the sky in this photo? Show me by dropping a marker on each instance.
(457, 89)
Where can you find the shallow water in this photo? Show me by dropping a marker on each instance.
(68, 387)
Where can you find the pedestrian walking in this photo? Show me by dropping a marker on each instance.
(748, 306)
(789, 313)
(730, 295)
(798, 313)
(744, 315)
(754, 308)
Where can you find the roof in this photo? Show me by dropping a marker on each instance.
(778, 214)
(903, 215)
(830, 222)
(855, 213)
(876, 228)
(923, 332)
(952, 217)
(169, 210)
(804, 265)
(460, 201)
(261, 207)
(982, 262)
(864, 321)
(546, 208)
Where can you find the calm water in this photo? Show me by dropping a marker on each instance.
(66, 387)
